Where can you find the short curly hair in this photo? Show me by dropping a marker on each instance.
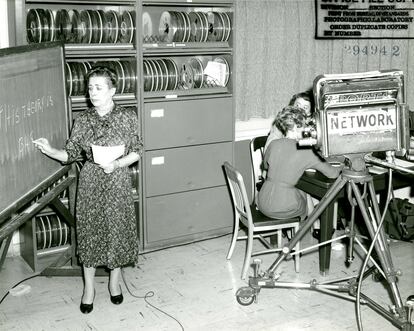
(307, 95)
(105, 72)
(288, 118)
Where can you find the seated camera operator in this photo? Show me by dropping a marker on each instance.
(302, 100)
(285, 164)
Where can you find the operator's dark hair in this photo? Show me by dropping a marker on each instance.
(307, 95)
(105, 72)
(288, 118)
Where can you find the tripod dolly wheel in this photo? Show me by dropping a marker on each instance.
(245, 295)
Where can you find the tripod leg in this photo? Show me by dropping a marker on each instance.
(350, 253)
(381, 246)
(378, 218)
(307, 224)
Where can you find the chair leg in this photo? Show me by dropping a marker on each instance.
(297, 248)
(248, 255)
(234, 239)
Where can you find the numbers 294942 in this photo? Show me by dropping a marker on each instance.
(393, 50)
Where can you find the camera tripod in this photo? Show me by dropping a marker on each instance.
(355, 173)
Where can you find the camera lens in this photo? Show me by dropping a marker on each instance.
(306, 134)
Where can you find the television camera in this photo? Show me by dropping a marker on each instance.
(356, 116)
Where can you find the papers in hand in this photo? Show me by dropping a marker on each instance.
(106, 154)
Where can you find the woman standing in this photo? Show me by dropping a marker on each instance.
(105, 216)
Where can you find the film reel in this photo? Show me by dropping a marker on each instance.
(33, 26)
(119, 69)
(221, 59)
(96, 27)
(127, 76)
(76, 26)
(228, 26)
(45, 25)
(181, 27)
(68, 75)
(198, 30)
(186, 76)
(63, 26)
(198, 71)
(51, 25)
(165, 74)
(111, 27)
(172, 74)
(83, 69)
(161, 80)
(104, 26)
(224, 25)
(147, 77)
(126, 34)
(133, 77)
(155, 75)
(40, 233)
(168, 26)
(216, 26)
(75, 78)
(147, 26)
(85, 27)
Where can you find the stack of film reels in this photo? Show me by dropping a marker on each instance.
(166, 74)
(51, 232)
(181, 26)
(75, 73)
(87, 26)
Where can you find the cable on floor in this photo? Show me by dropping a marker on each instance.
(4, 296)
(147, 295)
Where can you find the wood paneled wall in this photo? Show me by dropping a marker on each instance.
(277, 55)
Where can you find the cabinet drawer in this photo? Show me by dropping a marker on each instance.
(187, 168)
(191, 122)
(181, 217)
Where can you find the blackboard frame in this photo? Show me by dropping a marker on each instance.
(58, 171)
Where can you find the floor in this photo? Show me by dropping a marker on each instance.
(195, 285)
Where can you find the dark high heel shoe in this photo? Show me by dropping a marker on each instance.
(116, 299)
(86, 308)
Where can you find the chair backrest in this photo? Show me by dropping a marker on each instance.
(238, 194)
(257, 143)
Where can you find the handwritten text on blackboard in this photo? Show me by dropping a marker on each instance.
(12, 115)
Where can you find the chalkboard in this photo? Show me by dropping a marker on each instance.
(32, 105)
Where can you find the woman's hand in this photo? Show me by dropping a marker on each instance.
(110, 167)
(43, 145)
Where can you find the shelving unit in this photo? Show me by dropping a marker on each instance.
(175, 61)
(188, 131)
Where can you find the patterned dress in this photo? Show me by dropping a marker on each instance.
(105, 216)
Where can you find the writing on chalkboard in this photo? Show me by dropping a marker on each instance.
(11, 114)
